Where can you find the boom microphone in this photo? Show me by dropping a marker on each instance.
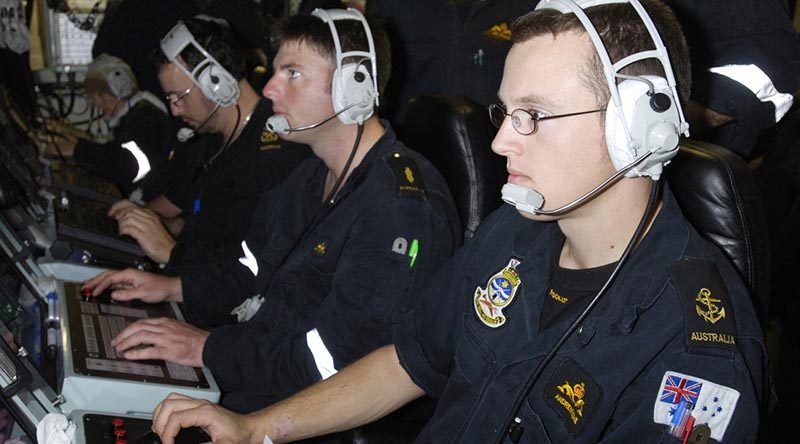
(186, 133)
(531, 201)
(281, 125)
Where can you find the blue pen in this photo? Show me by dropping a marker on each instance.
(678, 421)
(196, 208)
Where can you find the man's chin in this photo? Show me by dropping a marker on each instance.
(536, 217)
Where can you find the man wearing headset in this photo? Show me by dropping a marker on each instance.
(334, 255)
(138, 120)
(202, 72)
(647, 364)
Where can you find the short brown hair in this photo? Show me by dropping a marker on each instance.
(312, 31)
(623, 33)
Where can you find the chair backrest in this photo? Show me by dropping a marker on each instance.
(455, 134)
(720, 198)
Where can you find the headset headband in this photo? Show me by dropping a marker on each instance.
(329, 17)
(176, 41)
(611, 70)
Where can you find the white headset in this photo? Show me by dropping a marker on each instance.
(116, 73)
(216, 83)
(644, 114)
(353, 89)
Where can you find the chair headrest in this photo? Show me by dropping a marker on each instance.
(454, 133)
(720, 198)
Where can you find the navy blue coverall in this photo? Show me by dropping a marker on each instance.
(474, 340)
(333, 278)
(228, 188)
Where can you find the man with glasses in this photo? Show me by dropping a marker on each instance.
(500, 337)
(244, 159)
(526, 121)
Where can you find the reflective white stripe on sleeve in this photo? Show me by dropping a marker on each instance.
(322, 357)
(249, 260)
(754, 79)
(141, 159)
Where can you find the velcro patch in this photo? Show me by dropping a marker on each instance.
(708, 318)
(574, 395)
(409, 181)
(500, 31)
(710, 403)
(269, 140)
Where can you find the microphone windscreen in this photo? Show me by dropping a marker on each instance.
(278, 125)
(184, 134)
(524, 199)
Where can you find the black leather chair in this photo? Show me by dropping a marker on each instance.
(455, 134)
(720, 198)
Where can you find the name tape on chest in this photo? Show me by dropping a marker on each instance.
(269, 140)
(500, 32)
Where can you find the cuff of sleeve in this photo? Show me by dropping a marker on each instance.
(199, 308)
(86, 153)
(413, 359)
(211, 356)
(217, 358)
(177, 254)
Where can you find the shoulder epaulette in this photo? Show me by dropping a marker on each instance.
(409, 181)
(708, 318)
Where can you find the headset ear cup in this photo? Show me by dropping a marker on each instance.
(353, 85)
(218, 85)
(620, 147)
(652, 129)
(119, 84)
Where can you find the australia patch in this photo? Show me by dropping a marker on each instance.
(499, 292)
(710, 404)
(573, 395)
(707, 312)
(409, 181)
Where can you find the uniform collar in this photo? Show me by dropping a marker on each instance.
(637, 287)
(379, 150)
(645, 276)
(382, 147)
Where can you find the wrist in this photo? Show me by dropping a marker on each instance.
(169, 249)
(255, 432)
(175, 289)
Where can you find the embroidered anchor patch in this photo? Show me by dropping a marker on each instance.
(712, 313)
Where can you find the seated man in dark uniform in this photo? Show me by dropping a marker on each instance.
(204, 76)
(137, 119)
(334, 254)
(545, 327)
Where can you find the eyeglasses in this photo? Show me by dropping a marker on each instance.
(174, 100)
(524, 121)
